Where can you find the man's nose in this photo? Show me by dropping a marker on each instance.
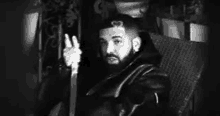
(110, 47)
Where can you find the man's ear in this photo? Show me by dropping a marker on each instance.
(136, 42)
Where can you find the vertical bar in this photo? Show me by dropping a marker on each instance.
(60, 31)
(79, 28)
(171, 10)
(40, 49)
(184, 10)
(187, 30)
(73, 94)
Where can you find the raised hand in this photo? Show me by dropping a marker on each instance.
(72, 52)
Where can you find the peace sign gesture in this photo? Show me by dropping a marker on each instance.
(72, 52)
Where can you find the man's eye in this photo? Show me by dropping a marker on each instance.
(117, 41)
(103, 42)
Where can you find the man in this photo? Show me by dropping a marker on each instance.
(134, 85)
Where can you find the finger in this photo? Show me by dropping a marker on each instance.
(67, 41)
(75, 42)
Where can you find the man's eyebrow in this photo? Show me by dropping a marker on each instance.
(115, 37)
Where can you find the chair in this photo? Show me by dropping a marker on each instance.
(184, 62)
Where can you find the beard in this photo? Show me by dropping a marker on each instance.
(116, 67)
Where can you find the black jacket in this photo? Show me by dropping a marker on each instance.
(140, 89)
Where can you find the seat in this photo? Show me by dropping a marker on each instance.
(184, 61)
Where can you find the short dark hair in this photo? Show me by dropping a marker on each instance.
(128, 22)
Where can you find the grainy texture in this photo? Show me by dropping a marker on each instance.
(184, 62)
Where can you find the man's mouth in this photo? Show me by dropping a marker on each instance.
(111, 59)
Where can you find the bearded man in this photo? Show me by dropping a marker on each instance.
(134, 84)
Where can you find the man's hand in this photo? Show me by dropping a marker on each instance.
(72, 53)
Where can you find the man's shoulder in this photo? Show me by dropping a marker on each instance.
(146, 68)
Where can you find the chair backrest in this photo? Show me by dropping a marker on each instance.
(184, 62)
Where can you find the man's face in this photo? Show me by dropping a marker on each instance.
(115, 45)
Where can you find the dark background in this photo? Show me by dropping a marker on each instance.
(16, 95)
(211, 82)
